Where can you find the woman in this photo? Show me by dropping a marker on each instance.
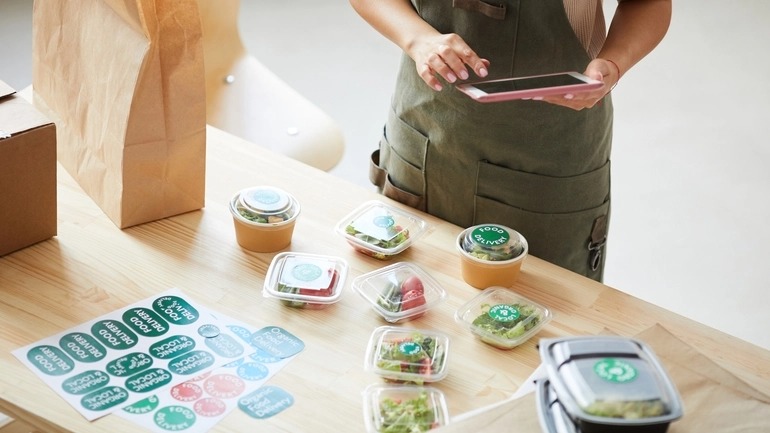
(541, 167)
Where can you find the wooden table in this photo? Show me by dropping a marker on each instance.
(92, 268)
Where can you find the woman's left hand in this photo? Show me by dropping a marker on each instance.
(599, 69)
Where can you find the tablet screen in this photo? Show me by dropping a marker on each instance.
(528, 83)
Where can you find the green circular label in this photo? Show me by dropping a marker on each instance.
(615, 370)
(144, 406)
(306, 272)
(489, 235)
(384, 221)
(409, 348)
(504, 313)
(174, 418)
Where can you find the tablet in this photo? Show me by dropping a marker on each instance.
(529, 87)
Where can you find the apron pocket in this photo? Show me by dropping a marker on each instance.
(558, 216)
(495, 11)
(379, 177)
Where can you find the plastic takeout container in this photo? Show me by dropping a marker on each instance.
(302, 280)
(502, 318)
(407, 355)
(491, 255)
(264, 218)
(379, 230)
(400, 292)
(607, 384)
(404, 408)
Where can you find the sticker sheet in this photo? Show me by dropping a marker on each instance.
(129, 354)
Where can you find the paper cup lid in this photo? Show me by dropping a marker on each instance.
(493, 242)
(265, 200)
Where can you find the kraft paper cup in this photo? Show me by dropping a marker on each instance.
(491, 255)
(264, 218)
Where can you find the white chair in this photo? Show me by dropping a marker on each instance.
(246, 99)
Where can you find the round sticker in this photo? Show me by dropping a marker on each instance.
(384, 221)
(615, 370)
(208, 331)
(174, 418)
(504, 313)
(186, 392)
(264, 200)
(409, 348)
(306, 272)
(489, 235)
(224, 386)
(209, 407)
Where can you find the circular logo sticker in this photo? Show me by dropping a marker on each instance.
(615, 370)
(384, 221)
(306, 272)
(409, 348)
(490, 235)
(208, 331)
(174, 418)
(504, 313)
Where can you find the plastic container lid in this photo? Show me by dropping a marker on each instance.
(407, 355)
(400, 291)
(404, 408)
(379, 230)
(493, 242)
(502, 318)
(605, 380)
(305, 280)
(264, 205)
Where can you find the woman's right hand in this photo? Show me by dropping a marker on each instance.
(446, 56)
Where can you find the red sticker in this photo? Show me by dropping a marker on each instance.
(209, 407)
(186, 392)
(224, 386)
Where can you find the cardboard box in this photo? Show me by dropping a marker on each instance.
(27, 173)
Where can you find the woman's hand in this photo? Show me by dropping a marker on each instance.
(445, 56)
(599, 69)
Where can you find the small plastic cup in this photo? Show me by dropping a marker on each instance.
(407, 355)
(264, 218)
(301, 280)
(491, 255)
(389, 407)
(379, 230)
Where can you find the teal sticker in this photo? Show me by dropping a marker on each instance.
(114, 334)
(615, 370)
(277, 342)
(504, 313)
(143, 406)
(145, 322)
(149, 380)
(252, 371)
(50, 360)
(172, 347)
(225, 345)
(261, 356)
(129, 364)
(82, 347)
(104, 398)
(85, 382)
(174, 418)
(176, 310)
(243, 333)
(192, 362)
(489, 235)
(265, 402)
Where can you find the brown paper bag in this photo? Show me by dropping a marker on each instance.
(124, 80)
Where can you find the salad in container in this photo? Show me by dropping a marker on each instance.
(379, 230)
(302, 280)
(491, 255)
(406, 355)
(264, 218)
(392, 408)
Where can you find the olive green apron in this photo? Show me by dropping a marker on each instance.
(540, 169)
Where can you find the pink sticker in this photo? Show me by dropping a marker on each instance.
(186, 392)
(209, 407)
(224, 386)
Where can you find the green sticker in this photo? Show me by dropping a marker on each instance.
(191, 362)
(488, 235)
(145, 322)
(504, 313)
(129, 364)
(50, 360)
(615, 370)
(265, 402)
(174, 418)
(114, 334)
(143, 406)
(176, 310)
(85, 382)
(409, 348)
(104, 398)
(172, 347)
(225, 345)
(149, 380)
(82, 347)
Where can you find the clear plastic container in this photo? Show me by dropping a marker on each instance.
(379, 230)
(264, 218)
(400, 292)
(608, 383)
(407, 355)
(502, 318)
(303, 280)
(404, 408)
(491, 255)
